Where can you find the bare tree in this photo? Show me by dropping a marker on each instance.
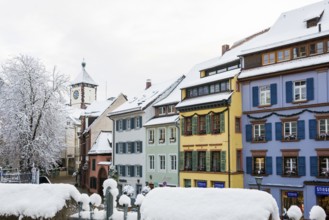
(32, 113)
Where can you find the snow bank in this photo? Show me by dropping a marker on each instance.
(208, 203)
(35, 201)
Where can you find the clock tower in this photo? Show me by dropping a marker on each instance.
(83, 90)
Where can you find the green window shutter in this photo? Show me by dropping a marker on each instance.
(181, 160)
(223, 161)
(208, 161)
(194, 125)
(222, 122)
(208, 124)
(182, 126)
(194, 160)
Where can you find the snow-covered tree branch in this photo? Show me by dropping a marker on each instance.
(32, 114)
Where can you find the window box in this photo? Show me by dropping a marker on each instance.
(202, 132)
(216, 131)
(151, 141)
(161, 141)
(323, 137)
(172, 140)
(290, 138)
(259, 139)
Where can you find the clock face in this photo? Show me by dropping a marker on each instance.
(76, 94)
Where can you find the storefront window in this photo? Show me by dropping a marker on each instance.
(290, 197)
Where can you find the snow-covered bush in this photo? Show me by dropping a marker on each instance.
(125, 200)
(128, 190)
(95, 199)
(145, 190)
(84, 199)
(294, 213)
(317, 213)
(139, 199)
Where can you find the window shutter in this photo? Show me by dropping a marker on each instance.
(117, 125)
(274, 99)
(140, 121)
(132, 123)
(124, 124)
(300, 129)
(181, 160)
(279, 166)
(140, 171)
(182, 126)
(301, 166)
(314, 166)
(208, 124)
(278, 131)
(255, 96)
(133, 150)
(312, 128)
(268, 165)
(223, 161)
(207, 160)
(268, 131)
(194, 124)
(132, 171)
(249, 165)
(310, 88)
(222, 122)
(117, 148)
(123, 170)
(248, 133)
(289, 92)
(141, 146)
(124, 147)
(194, 161)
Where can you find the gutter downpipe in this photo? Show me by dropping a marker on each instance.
(113, 141)
(229, 146)
(178, 142)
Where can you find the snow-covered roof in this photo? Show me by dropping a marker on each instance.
(290, 28)
(147, 97)
(102, 143)
(213, 98)
(83, 77)
(208, 203)
(74, 114)
(108, 163)
(162, 120)
(97, 108)
(288, 65)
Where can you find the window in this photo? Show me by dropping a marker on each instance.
(93, 182)
(324, 166)
(239, 160)
(224, 86)
(128, 124)
(268, 58)
(188, 126)
(316, 48)
(162, 110)
(139, 171)
(130, 171)
(259, 165)
(172, 134)
(299, 51)
(328, 46)
(139, 122)
(323, 129)
(290, 166)
(283, 55)
(122, 148)
(216, 124)
(187, 183)
(300, 90)
(130, 148)
(290, 130)
(173, 162)
(151, 136)
(162, 162)
(120, 125)
(188, 160)
(139, 147)
(162, 135)
(93, 165)
(202, 160)
(202, 124)
(259, 132)
(151, 162)
(122, 170)
(237, 125)
(265, 95)
(171, 109)
(215, 161)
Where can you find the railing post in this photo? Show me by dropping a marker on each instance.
(108, 203)
(91, 211)
(79, 208)
(125, 211)
(138, 212)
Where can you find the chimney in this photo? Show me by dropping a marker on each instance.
(148, 83)
(225, 48)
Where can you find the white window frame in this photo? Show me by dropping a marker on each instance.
(162, 131)
(257, 133)
(149, 140)
(137, 170)
(171, 109)
(300, 90)
(151, 162)
(172, 135)
(138, 123)
(129, 147)
(120, 128)
(265, 95)
(128, 123)
(291, 127)
(137, 145)
(172, 162)
(162, 110)
(162, 162)
(324, 122)
(290, 166)
(128, 171)
(120, 148)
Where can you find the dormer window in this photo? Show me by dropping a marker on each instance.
(162, 110)
(313, 20)
(268, 58)
(316, 48)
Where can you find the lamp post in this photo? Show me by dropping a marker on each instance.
(259, 180)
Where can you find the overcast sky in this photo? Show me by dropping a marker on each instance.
(125, 42)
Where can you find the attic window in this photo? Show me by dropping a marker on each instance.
(313, 21)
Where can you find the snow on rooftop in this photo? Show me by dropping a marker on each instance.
(290, 28)
(213, 98)
(74, 114)
(208, 203)
(102, 144)
(97, 108)
(83, 77)
(47, 200)
(288, 65)
(162, 120)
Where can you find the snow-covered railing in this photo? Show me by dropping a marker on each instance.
(15, 176)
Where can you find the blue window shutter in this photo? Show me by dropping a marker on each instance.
(278, 131)
(140, 121)
(279, 166)
(300, 129)
(248, 133)
(310, 88)
(301, 166)
(268, 131)
(268, 165)
(312, 128)
(289, 92)
(274, 97)
(117, 125)
(124, 124)
(249, 165)
(132, 123)
(314, 166)
(117, 148)
(255, 96)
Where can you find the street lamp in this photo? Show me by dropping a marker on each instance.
(259, 180)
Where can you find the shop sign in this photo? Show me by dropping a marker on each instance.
(322, 190)
(292, 194)
(202, 184)
(219, 185)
